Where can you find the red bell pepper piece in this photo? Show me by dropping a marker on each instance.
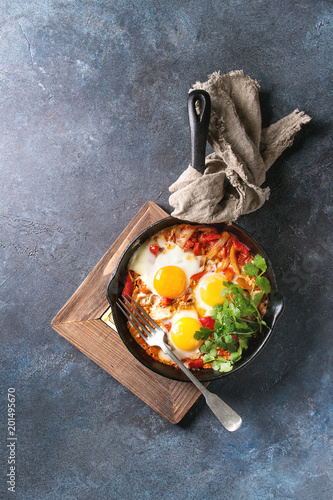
(128, 286)
(195, 363)
(242, 259)
(197, 276)
(154, 249)
(197, 249)
(212, 237)
(207, 322)
(240, 247)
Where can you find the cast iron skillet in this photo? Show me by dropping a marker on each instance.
(199, 128)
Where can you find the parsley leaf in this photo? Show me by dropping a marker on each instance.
(257, 298)
(260, 262)
(203, 333)
(263, 283)
(208, 358)
(235, 356)
(251, 269)
(243, 343)
(208, 347)
(222, 365)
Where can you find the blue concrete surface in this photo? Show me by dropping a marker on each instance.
(93, 119)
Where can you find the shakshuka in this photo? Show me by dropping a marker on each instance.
(177, 276)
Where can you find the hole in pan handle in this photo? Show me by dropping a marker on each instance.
(199, 124)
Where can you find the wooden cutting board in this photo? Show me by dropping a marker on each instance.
(80, 322)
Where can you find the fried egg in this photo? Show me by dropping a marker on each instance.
(167, 274)
(180, 337)
(208, 291)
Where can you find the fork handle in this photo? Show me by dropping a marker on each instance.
(226, 415)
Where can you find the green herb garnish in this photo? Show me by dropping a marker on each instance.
(236, 320)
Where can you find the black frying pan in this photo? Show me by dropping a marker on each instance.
(199, 128)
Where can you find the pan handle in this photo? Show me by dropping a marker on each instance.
(199, 124)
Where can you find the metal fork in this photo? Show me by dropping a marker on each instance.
(154, 336)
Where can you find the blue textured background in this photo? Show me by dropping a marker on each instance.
(93, 121)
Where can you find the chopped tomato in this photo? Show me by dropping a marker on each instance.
(195, 363)
(165, 301)
(207, 322)
(209, 236)
(197, 249)
(202, 238)
(229, 273)
(128, 286)
(154, 249)
(223, 353)
(197, 276)
(168, 326)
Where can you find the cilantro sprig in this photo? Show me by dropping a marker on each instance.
(236, 320)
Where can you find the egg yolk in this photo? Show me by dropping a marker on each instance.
(182, 334)
(170, 282)
(211, 289)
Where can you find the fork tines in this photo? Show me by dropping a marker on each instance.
(141, 320)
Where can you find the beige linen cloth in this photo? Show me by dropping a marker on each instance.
(230, 184)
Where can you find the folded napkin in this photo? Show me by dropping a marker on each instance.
(230, 184)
